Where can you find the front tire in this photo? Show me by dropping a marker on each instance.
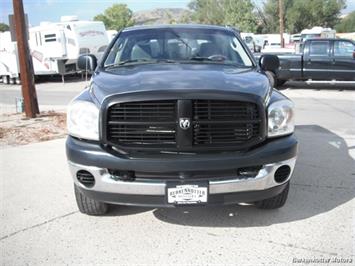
(89, 206)
(275, 202)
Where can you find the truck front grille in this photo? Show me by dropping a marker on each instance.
(224, 122)
(152, 111)
(214, 124)
(142, 123)
(141, 134)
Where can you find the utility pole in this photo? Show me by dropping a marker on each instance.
(25, 61)
(281, 15)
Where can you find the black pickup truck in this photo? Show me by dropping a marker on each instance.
(180, 115)
(319, 60)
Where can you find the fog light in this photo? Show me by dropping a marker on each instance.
(85, 178)
(282, 173)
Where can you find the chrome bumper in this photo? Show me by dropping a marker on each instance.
(104, 183)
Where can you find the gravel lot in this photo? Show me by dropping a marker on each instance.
(40, 223)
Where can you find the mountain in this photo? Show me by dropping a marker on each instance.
(162, 16)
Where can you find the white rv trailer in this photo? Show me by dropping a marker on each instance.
(9, 66)
(272, 43)
(55, 47)
(111, 34)
(317, 32)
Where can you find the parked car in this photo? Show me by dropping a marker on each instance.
(180, 115)
(320, 60)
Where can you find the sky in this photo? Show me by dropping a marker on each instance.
(52, 10)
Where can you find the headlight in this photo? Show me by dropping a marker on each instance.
(280, 118)
(83, 120)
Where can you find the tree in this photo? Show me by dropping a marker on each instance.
(238, 13)
(270, 15)
(207, 11)
(301, 14)
(347, 24)
(4, 27)
(307, 14)
(116, 17)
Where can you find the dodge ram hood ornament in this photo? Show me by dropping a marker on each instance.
(184, 123)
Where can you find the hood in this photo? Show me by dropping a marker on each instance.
(179, 78)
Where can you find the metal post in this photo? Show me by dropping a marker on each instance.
(25, 60)
(281, 15)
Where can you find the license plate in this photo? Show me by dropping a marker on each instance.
(181, 194)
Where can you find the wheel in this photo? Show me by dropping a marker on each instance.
(275, 202)
(12, 81)
(272, 78)
(280, 82)
(89, 206)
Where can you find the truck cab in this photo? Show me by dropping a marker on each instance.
(325, 59)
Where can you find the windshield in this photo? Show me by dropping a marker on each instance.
(172, 45)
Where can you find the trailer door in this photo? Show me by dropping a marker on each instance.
(53, 44)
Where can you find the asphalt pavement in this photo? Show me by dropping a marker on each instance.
(40, 223)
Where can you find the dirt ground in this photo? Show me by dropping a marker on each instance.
(16, 129)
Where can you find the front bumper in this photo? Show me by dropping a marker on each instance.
(94, 159)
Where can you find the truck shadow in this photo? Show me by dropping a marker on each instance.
(324, 178)
(294, 85)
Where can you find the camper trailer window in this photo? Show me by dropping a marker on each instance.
(50, 38)
(68, 27)
(84, 51)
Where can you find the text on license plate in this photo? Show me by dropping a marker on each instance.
(187, 194)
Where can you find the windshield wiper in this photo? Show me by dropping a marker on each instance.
(216, 59)
(140, 60)
(121, 63)
(200, 58)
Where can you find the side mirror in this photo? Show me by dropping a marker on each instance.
(269, 62)
(87, 62)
